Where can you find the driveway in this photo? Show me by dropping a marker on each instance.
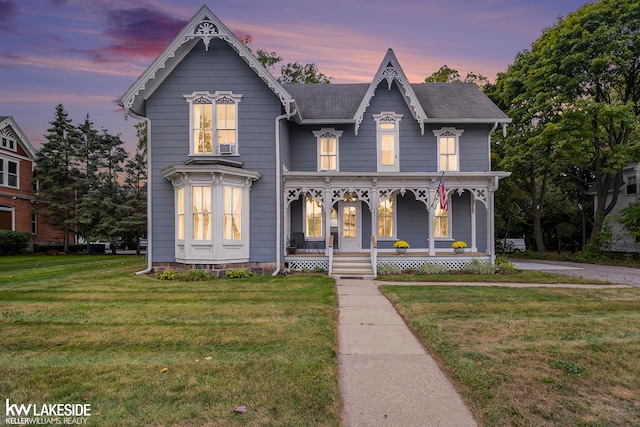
(622, 275)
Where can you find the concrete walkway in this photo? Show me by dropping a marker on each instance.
(386, 377)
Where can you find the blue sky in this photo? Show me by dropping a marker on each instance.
(86, 54)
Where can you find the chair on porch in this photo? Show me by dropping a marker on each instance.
(299, 240)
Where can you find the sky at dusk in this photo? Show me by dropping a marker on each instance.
(86, 54)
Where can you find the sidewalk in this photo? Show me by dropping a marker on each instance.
(386, 377)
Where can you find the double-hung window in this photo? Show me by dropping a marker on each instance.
(9, 173)
(232, 223)
(388, 134)
(213, 122)
(201, 212)
(448, 149)
(313, 218)
(328, 149)
(441, 229)
(386, 218)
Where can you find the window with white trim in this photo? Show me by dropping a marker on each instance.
(8, 142)
(201, 197)
(180, 213)
(386, 218)
(313, 218)
(232, 225)
(9, 173)
(328, 149)
(441, 223)
(388, 134)
(208, 137)
(448, 149)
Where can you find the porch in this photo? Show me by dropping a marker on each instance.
(365, 263)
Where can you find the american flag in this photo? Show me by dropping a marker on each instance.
(442, 195)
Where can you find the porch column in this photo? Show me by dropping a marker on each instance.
(326, 204)
(287, 223)
(490, 226)
(432, 240)
(474, 238)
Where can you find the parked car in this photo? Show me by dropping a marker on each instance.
(511, 245)
(143, 244)
(107, 245)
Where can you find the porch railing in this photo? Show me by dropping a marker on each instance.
(374, 256)
(330, 254)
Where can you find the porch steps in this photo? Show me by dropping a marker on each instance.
(352, 265)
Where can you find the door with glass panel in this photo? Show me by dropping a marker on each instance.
(350, 227)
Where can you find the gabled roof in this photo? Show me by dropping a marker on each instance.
(390, 70)
(203, 26)
(429, 102)
(461, 102)
(9, 127)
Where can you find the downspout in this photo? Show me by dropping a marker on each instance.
(279, 190)
(149, 254)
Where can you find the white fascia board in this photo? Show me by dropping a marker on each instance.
(395, 72)
(203, 26)
(22, 138)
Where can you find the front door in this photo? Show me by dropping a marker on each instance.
(350, 227)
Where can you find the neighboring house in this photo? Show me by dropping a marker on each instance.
(621, 239)
(18, 199)
(239, 163)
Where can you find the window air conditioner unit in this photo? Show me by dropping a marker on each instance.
(225, 149)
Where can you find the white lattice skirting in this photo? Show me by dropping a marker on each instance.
(404, 263)
(307, 264)
(451, 263)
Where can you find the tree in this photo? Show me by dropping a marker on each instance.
(450, 75)
(302, 74)
(59, 175)
(133, 209)
(574, 100)
(292, 72)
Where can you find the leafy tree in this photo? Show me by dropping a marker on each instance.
(574, 100)
(133, 210)
(292, 72)
(450, 75)
(59, 175)
(141, 133)
(630, 219)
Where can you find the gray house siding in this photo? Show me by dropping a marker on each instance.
(218, 69)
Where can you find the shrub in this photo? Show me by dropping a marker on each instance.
(388, 269)
(239, 273)
(477, 267)
(168, 275)
(318, 269)
(505, 266)
(194, 276)
(12, 242)
(431, 269)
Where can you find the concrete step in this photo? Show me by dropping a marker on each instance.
(352, 266)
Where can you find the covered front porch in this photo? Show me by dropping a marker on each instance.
(368, 214)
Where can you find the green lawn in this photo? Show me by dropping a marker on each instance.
(536, 356)
(85, 329)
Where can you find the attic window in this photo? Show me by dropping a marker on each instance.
(7, 140)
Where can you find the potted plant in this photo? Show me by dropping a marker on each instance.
(458, 247)
(292, 249)
(401, 246)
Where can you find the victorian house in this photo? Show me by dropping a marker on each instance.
(242, 167)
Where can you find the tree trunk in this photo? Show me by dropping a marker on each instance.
(537, 230)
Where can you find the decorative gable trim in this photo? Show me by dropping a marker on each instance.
(203, 26)
(9, 127)
(390, 70)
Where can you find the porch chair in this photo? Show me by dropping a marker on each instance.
(299, 240)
